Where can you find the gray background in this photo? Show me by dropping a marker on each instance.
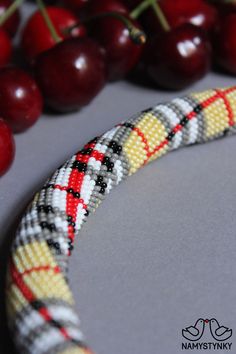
(160, 251)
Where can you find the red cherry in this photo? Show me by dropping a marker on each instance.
(7, 147)
(197, 12)
(5, 48)
(12, 24)
(121, 52)
(95, 7)
(177, 12)
(71, 74)
(21, 101)
(178, 58)
(225, 43)
(36, 37)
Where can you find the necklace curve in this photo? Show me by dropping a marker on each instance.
(40, 305)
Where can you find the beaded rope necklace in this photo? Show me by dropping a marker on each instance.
(39, 301)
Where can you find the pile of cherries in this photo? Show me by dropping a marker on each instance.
(71, 48)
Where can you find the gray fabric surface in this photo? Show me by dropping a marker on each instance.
(160, 251)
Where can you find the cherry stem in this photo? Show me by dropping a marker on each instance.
(43, 10)
(136, 35)
(10, 11)
(144, 5)
(137, 11)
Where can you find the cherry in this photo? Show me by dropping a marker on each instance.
(95, 7)
(225, 43)
(7, 147)
(5, 48)
(21, 101)
(177, 12)
(178, 57)
(71, 74)
(36, 36)
(121, 52)
(197, 12)
(12, 24)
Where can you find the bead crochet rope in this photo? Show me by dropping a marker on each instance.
(39, 301)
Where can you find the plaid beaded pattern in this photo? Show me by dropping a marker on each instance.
(39, 301)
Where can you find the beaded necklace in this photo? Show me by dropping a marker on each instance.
(39, 301)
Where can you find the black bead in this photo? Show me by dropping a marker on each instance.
(47, 186)
(183, 121)
(54, 323)
(102, 190)
(52, 227)
(69, 218)
(44, 224)
(146, 110)
(40, 207)
(50, 242)
(48, 209)
(56, 245)
(81, 166)
(86, 213)
(128, 125)
(77, 195)
(86, 151)
(115, 147)
(70, 190)
(225, 132)
(105, 160)
(197, 109)
(170, 136)
(93, 140)
(37, 305)
(104, 185)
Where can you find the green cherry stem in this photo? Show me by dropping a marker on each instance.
(137, 35)
(144, 5)
(160, 15)
(10, 11)
(43, 10)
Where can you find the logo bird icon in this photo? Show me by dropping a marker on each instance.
(219, 333)
(195, 332)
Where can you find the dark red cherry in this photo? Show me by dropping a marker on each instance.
(71, 74)
(197, 12)
(225, 43)
(7, 147)
(178, 12)
(178, 58)
(36, 36)
(5, 48)
(21, 101)
(121, 52)
(12, 24)
(95, 7)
